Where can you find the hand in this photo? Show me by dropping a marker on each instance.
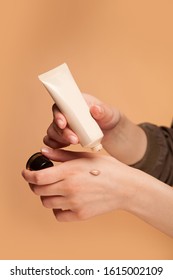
(74, 194)
(122, 139)
(71, 191)
(59, 133)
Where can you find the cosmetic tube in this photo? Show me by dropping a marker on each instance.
(63, 89)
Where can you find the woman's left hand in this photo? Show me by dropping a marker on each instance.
(71, 190)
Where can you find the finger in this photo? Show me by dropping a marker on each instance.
(65, 216)
(48, 190)
(54, 132)
(69, 136)
(46, 176)
(52, 143)
(55, 202)
(59, 118)
(66, 135)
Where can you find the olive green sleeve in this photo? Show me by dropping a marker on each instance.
(158, 158)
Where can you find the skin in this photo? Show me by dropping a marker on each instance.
(74, 194)
(119, 132)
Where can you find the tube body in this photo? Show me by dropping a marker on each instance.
(67, 96)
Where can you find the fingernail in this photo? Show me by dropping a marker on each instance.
(45, 150)
(60, 123)
(99, 109)
(73, 139)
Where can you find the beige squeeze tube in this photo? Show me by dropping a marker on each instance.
(62, 87)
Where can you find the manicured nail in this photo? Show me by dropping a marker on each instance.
(73, 139)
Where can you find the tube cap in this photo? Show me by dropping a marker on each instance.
(38, 161)
(97, 148)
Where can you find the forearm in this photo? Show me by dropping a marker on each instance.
(152, 201)
(126, 142)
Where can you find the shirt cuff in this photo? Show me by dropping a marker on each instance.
(158, 158)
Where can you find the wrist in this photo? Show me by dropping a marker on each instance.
(126, 182)
(130, 188)
(126, 142)
(150, 200)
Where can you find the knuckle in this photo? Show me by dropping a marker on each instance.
(75, 204)
(37, 178)
(70, 189)
(70, 186)
(81, 214)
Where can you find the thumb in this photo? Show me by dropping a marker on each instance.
(106, 117)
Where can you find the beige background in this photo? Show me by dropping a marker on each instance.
(119, 51)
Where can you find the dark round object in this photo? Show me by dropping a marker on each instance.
(38, 161)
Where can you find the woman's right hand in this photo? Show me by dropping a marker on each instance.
(122, 139)
(59, 133)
